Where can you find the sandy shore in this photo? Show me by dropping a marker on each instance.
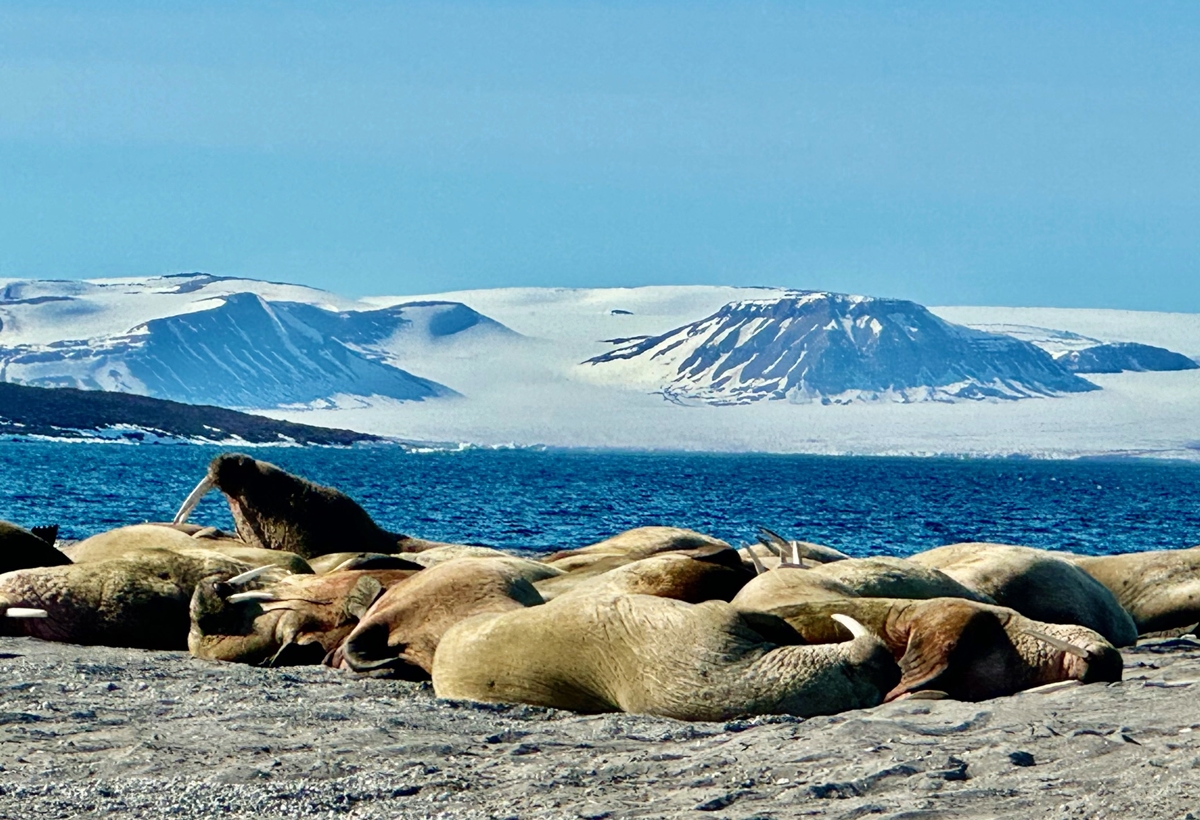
(90, 731)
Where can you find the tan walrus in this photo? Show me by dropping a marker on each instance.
(1160, 589)
(139, 600)
(658, 656)
(400, 633)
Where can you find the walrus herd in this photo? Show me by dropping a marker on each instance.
(656, 620)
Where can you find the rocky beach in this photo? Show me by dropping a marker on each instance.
(96, 732)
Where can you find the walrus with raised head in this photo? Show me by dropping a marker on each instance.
(1035, 583)
(659, 656)
(274, 509)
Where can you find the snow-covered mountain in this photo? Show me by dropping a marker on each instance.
(241, 350)
(513, 356)
(809, 346)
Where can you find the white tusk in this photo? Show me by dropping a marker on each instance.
(26, 612)
(253, 595)
(1058, 643)
(193, 499)
(759, 569)
(250, 574)
(856, 629)
(796, 554)
(1051, 688)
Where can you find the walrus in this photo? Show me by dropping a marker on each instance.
(137, 537)
(1035, 583)
(876, 577)
(658, 656)
(398, 635)
(1160, 589)
(969, 650)
(341, 561)
(274, 509)
(625, 548)
(21, 548)
(294, 621)
(703, 574)
(139, 600)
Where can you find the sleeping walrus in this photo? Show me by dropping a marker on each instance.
(658, 656)
(969, 650)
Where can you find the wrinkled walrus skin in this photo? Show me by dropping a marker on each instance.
(400, 633)
(306, 618)
(274, 509)
(970, 651)
(22, 549)
(138, 601)
(658, 656)
(1036, 583)
(1160, 589)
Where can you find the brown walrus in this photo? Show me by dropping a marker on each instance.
(296, 620)
(1036, 583)
(400, 633)
(969, 650)
(127, 540)
(274, 509)
(658, 656)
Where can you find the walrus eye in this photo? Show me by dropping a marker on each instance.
(1058, 643)
(202, 489)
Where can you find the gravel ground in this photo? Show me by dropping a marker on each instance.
(91, 731)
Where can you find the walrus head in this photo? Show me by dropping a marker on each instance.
(274, 509)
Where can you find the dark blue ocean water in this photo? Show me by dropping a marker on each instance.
(547, 500)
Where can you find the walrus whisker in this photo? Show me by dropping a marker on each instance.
(202, 489)
(759, 569)
(252, 595)
(250, 574)
(26, 612)
(855, 628)
(1058, 643)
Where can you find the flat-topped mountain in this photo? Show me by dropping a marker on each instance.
(99, 415)
(812, 346)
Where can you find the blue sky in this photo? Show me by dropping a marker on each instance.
(952, 153)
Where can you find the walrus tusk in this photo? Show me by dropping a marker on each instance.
(759, 569)
(250, 574)
(1058, 643)
(26, 612)
(252, 595)
(856, 629)
(796, 559)
(193, 499)
(771, 540)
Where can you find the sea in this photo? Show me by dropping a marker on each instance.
(548, 500)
